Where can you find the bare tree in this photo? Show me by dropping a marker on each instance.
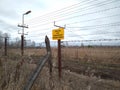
(33, 44)
(1, 39)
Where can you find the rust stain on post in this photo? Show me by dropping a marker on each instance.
(59, 58)
(5, 46)
(22, 45)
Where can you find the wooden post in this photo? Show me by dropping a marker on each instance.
(48, 48)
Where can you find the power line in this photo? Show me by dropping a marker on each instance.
(61, 10)
(66, 14)
(99, 11)
(99, 18)
(79, 21)
(94, 26)
(83, 9)
(40, 29)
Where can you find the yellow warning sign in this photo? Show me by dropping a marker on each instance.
(58, 34)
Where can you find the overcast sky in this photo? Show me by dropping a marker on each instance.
(11, 11)
(90, 17)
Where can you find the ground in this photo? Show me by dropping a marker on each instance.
(86, 68)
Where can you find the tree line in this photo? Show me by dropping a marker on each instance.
(14, 42)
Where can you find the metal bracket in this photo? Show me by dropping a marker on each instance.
(24, 26)
(59, 26)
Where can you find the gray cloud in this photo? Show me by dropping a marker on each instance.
(11, 12)
(6, 27)
(7, 9)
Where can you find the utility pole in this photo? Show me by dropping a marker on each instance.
(59, 52)
(22, 34)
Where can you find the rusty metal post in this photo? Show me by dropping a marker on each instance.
(59, 58)
(5, 46)
(59, 52)
(22, 45)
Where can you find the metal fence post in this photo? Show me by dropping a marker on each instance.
(59, 58)
(5, 48)
(22, 45)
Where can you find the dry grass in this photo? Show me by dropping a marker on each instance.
(15, 70)
(72, 81)
(99, 54)
(13, 74)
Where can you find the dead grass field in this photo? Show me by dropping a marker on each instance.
(98, 54)
(82, 69)
(95, 54)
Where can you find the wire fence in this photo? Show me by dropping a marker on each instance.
(90, 51)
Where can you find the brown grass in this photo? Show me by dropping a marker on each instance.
(13, 75)
(99, 54)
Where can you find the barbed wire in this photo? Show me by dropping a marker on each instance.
(116, 39)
